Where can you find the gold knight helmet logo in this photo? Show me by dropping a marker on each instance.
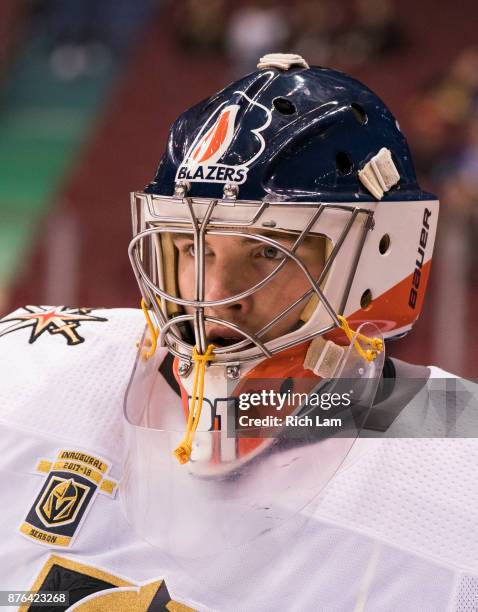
(61, 501)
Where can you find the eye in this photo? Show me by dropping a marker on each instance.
(185, 247)
(188, 249)
(270, 252)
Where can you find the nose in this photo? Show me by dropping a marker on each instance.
(224, 279)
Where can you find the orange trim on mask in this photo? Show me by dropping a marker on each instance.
(391, 309)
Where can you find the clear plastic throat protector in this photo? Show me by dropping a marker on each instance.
(196, 511)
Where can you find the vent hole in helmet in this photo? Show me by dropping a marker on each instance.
(359, 113)
(284, 106)
(344, 163)
(384, 244)
(366, 299)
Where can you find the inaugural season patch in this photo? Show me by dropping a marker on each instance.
(93, 589)
(73, 480)
(51, 319)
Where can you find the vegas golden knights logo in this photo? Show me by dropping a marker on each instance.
(52, 319)
(91, 589)
(61, 501)
(73, 480)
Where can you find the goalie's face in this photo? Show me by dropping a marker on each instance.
(233, 265)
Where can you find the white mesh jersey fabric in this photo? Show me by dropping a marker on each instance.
(74, 392)
(390, 532)
(305, 565)
(417, 494)
(467, 594)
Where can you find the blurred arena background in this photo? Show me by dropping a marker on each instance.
(88, 89)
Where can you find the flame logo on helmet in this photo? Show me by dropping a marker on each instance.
(202, 161)
(217, 139)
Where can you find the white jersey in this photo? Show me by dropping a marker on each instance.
(395, 529)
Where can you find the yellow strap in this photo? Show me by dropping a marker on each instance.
(375, 343)
(153, 332)
(184, 449)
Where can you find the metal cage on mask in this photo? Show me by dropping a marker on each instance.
(152, 256)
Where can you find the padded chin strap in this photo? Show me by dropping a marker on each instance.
(323, 357)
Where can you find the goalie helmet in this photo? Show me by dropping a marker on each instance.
(299, 151)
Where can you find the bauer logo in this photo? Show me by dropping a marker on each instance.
(222, 141)
(417, 274)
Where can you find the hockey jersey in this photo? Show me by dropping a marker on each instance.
(395, 529)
